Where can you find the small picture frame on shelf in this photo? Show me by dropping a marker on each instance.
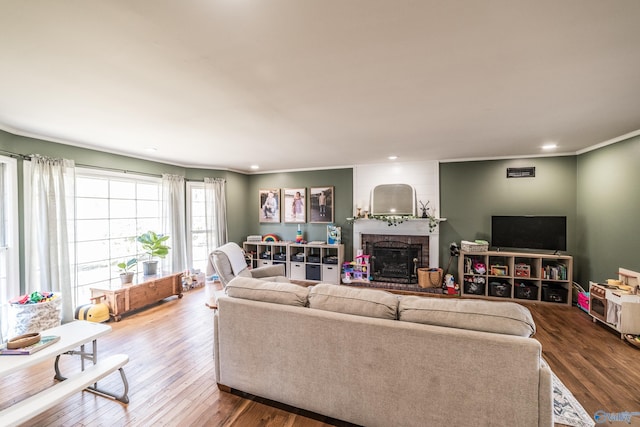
(295, 203)
(334, 234)
(321, 204)
(269, 207)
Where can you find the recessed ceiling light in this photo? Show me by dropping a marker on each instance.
(254, 167)
(392, 157)
(550, 146)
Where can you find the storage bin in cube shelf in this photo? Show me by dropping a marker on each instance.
(526, 291)
(500, 289)
(474, 285)
(313, 272)
(554, 293)
(36, 317)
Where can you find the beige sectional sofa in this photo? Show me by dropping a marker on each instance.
(373, 358)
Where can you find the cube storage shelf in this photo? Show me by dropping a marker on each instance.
(308, 262)
(266, 253)
(519, 276)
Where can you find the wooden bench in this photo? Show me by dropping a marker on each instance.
(38, 403)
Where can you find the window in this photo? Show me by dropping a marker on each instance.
(9, 251)
(197, 247)
(112, 209)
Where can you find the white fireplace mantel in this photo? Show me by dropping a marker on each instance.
(410, 227)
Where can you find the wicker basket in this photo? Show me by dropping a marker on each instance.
(430, 277)
(474, 247)
(27, 318)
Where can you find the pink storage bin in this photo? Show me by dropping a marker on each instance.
(583, 301)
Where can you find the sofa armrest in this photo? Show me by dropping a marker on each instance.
(545, 401)
(268, 271)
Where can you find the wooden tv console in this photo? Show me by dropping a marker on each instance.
(123, 299)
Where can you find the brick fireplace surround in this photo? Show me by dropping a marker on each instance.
(368, 232)
(368, 240)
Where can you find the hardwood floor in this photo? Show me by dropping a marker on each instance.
(171, 375)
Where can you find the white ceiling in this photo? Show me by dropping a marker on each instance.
(296, 84)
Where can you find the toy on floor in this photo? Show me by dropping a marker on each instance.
(357, 270)
(95, 312)
(450, 287)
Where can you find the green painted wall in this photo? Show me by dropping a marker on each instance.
(341, 179)
(596, 191)
(470, 192)
(236, 183)
(609, 210)
(242, 190)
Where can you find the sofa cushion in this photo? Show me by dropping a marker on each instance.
(488, 316)
(361, 302)
(261, 290)
(223, 267)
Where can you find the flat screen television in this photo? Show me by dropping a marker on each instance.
(547, 233)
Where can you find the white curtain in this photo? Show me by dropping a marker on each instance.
(173, 222)
(51, 219)
(3, 207)
(4, 297)
(9, 248)
(215, 200)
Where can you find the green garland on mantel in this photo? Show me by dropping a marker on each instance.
(399, 219)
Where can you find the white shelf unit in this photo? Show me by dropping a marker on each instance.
(306, 262)
(267, 253)
(316, 262)
(520, 276)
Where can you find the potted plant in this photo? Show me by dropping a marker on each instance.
(126, 276)
(154, 246)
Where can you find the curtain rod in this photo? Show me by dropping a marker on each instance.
(154, 175)
(15, 155)
(28, 158)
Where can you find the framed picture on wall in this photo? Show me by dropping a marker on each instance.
(295, 204)
(321, 204)
(269, 205)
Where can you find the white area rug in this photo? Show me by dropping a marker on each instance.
(566, 409)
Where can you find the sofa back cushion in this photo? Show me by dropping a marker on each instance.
(488, 316)
(361, 302)
(274, 292)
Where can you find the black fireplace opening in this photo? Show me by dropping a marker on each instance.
(393, 261)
